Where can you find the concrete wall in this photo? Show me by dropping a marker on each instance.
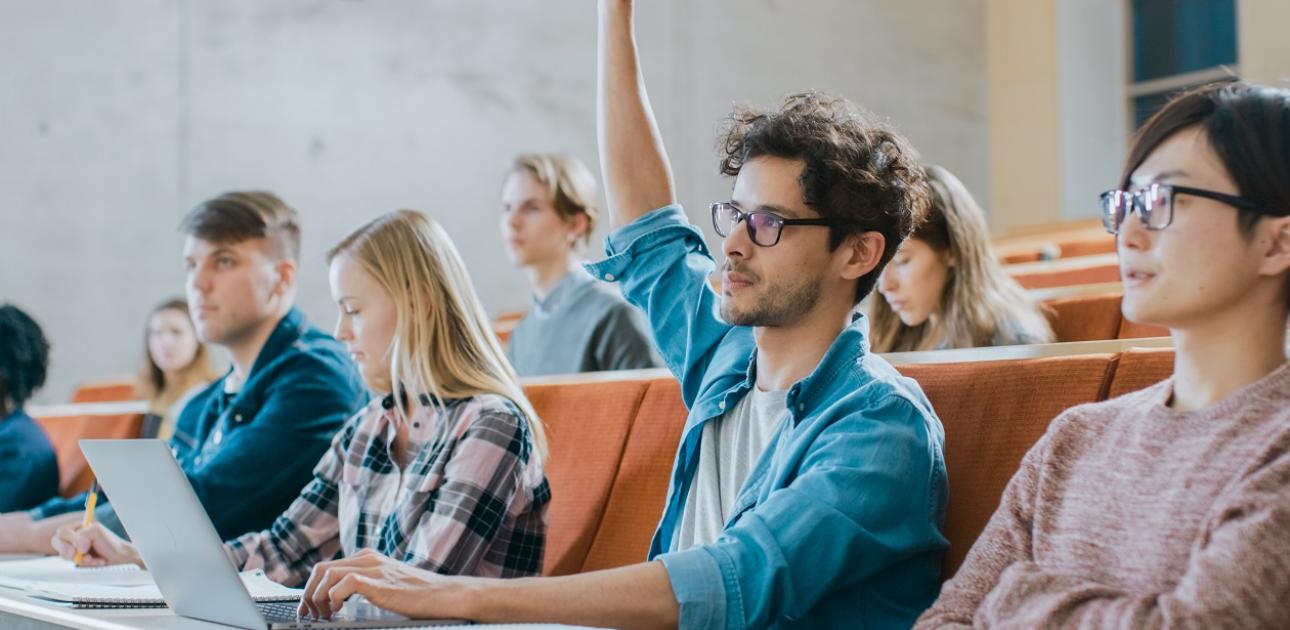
(118, 116)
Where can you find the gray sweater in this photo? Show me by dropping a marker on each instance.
(583, 325)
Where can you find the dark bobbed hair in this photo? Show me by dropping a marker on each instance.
(1248, 127)
(24, 358)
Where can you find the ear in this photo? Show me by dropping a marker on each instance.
(286, 270)
(860, 253)
(1276, 256)
(578, 228)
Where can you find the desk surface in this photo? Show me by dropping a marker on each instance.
(19, 612)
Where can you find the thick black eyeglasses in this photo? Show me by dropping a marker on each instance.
(1155, 205)
(764, 228)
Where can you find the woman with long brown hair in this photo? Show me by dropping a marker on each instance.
(176, 365)
(944, 288)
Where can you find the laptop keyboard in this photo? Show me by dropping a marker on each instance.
(279, 612)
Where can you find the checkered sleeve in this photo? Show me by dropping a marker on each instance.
(309, 531)
(468, 520)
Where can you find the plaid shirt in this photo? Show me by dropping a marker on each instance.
(473, 500)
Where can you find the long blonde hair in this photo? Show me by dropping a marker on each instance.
(443, 344)
(981, 304)
(152, 380)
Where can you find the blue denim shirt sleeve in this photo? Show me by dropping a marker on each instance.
(662, 265)
(843, 519)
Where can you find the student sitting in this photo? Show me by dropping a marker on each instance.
(249, 440)
(945, 288)
(1169, 506)
(176, 366)
(809, 484)
(576, 323)
(444, 472)
(28, 466)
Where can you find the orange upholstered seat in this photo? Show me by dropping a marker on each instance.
(1139, 368)
(993, 412)
(1062, 276)
(1134, 330)
(105, 391)
(66, 432)
(640, 488)
(1085, 317)
(587, 427)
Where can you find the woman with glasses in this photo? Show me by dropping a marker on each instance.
(1169, 506)
(945, 289)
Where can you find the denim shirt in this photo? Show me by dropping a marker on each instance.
(248, 454)
(838, 524)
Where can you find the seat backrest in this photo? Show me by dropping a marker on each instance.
(993, 412)
(1086, 245)
(640, 487)
(587, 425)
(1061, 276)
(1133, 330)
(1139, 368)
(105, 391)
(66, 432)
(1085, 317)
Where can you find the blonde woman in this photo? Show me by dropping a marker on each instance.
(575, 323)
(443, 471)
(176, 366)
(945, 289)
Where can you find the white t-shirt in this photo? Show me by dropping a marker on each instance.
(729, 448)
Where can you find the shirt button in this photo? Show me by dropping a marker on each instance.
(237, 418)
(801, 407)
(721, 405)
(218, 437)
(609, 277)
(416, 425)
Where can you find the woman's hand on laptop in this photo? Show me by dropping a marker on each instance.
(386, 583)
(98, 546)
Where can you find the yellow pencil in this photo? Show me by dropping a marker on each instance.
(91, 500)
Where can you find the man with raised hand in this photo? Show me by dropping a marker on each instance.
(809, 486)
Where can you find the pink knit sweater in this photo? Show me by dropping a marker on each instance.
(1127, 514)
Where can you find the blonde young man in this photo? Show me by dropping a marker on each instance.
(576, 323)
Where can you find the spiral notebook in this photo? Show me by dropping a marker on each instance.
(18, 574)
(82, 595)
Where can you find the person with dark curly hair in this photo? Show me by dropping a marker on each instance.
(809, 486)
(28, 467)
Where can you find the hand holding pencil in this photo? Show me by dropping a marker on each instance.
(89, 544)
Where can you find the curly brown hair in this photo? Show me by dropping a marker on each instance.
(858, 172)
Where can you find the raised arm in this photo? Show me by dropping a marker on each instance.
(637, 175)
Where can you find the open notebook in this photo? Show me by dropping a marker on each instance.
(122, 586)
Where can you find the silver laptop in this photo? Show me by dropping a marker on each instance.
(184, 554)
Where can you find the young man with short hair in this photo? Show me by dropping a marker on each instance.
(576, 323)
(809, 486)
(250, 440)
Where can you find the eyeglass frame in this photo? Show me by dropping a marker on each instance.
(741, 215)
(1139, 206)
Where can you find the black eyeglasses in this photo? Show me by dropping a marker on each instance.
(764, 228)
(1155, 205)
